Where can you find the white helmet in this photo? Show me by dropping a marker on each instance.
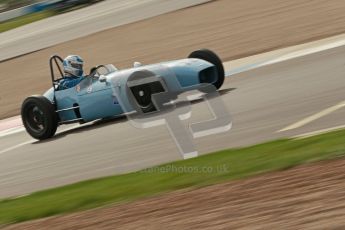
(73, 65)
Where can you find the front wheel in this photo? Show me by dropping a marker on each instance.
(210, 56)
(39, 117)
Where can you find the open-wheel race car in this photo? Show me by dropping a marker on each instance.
(108, 92)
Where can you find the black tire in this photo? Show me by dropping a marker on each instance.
(213, 58)
(39, 117)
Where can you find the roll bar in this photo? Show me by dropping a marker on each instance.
(54, 59)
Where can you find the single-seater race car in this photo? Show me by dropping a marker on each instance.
(108, 92)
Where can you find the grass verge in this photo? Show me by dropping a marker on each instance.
(23, 20)
(205, 170)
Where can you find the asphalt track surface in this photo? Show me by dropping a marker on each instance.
(75, 24)
(261, 101)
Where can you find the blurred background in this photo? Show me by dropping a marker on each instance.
(16, 13)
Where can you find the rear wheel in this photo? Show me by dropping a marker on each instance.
(210, 56)
(39, 117)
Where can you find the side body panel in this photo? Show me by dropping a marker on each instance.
(96, 101)
(66, 99)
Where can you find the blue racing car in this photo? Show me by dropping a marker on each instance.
(108, 92)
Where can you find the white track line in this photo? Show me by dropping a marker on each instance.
(12, 131)
(284, 54)
(307, 51)
(32, 141)
(321, 131)
(313, 117)
(16, 146)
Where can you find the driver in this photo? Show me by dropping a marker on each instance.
(73, 70)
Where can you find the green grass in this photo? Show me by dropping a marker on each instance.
(240, 163)
(23, 20)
